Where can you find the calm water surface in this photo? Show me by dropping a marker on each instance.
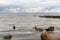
(24, 25)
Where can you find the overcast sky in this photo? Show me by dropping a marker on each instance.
(29, 6)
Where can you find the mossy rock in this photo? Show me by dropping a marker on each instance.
(51, 28)
(7, 36)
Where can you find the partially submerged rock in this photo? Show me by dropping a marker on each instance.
(51, 28)
(7, 37)
(38, 29)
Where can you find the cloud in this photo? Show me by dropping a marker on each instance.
(5, 2)
(57, 10)
(28, 2)
(15, 2)
(17, 6)
(29, 10)
(32, 10)
(17, 10)
(53, 0)
(13, 10)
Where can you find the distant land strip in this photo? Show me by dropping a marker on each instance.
(47, 16)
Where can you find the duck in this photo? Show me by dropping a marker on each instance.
(14, 27)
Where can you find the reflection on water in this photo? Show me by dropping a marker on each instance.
(24, 25)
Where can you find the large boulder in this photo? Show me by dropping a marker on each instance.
(49, 36)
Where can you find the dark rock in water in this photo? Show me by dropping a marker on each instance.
(7, 37)
(49, 36)
(38, 29)
(51, 28)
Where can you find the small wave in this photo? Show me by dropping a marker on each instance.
(15, 32)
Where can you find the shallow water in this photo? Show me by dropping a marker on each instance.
(24, 25)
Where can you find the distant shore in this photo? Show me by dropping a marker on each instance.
(50, 16)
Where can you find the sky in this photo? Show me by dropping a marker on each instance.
(29, 6)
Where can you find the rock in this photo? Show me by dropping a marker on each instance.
(49, 36)
(38, 29)
(7, 37)
(51, 28)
